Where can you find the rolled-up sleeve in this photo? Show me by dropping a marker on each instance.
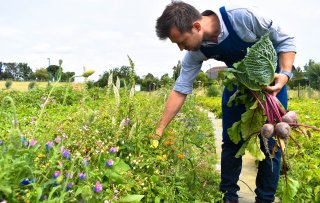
(250, 25)
(190, 67)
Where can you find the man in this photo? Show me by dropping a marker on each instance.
(225, 35)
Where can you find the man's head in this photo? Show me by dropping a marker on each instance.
(181, 23)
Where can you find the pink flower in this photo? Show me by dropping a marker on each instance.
(110, 162)
(97, 187)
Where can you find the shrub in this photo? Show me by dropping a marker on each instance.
(8, 84)
(31, 85)
(213, 90)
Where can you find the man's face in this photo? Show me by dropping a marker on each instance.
(190, 41)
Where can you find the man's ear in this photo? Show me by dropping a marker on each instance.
(197, 25)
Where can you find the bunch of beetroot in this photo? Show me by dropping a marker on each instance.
(279, 124)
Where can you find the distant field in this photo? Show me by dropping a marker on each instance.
(23, 86)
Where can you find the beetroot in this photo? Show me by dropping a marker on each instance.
(290, 117)
(282, 130)
(267, 130)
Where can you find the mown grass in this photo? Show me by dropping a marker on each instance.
(23, 86)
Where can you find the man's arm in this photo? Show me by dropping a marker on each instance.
(173, 105)
(286, 60)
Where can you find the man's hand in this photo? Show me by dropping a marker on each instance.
(279, 81)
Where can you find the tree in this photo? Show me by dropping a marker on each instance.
(41, 74)
(10, 71)
(67, 76)
(24, 72)
(149, 82)
(165, 80)
(176, 71)
(53, 72)
(313, 74)
(203, 78)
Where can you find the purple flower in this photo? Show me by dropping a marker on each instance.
(1, 142)
(56, 174)
(97, 187)
(126, 122)
(113, 149)
(33, 142)
(69, 186)
(109, 163)
(85, 161)
(82, 175)
(49, 145)
(66, 154)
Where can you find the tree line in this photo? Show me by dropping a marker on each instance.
(23, 72)
(308, 76)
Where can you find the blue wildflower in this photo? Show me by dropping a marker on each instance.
(49, 145)
(97, 187)
(113, 149)
(1, 142)
(25, 182)
(66, 154)
(69, 186)
(82, 175)
(109, 163)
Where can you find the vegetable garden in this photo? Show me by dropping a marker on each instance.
(62, 145)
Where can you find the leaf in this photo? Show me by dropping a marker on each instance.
(251, 122)
(131, 198)
(243, 77)
(242, 150)
(258, 67)
(254, 148)
(261, 60)
(121, 166)
(5, 189)
(290, 190)
(234, 132)
(232, 98)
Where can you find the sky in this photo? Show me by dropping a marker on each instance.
(101, 34)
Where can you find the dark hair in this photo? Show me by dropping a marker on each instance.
(178, 14)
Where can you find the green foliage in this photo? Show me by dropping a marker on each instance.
(31, 85)
(304, 163)
(313, 74)
(213, 104)
(214, 90)
(8, 84)
(258, 67)
(90, 124)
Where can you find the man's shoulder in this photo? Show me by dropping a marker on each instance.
(235, 9)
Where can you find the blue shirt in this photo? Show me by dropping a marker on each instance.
(249, 26)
